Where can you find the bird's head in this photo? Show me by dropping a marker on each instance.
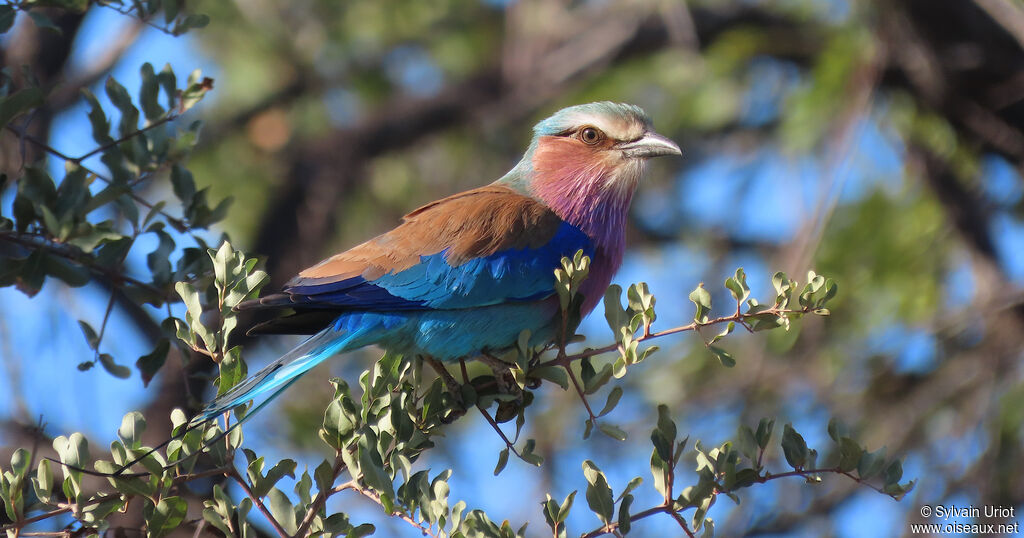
(615, 132)
(589, 158)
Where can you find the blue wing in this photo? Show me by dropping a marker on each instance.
(435, 283)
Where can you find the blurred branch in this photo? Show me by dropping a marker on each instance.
(300, 218)
(1007, 14)
(71, 253)
(970, 218)
(860, 98)
(177, 223)
(45, 53)
(68, 93)
(921, 38)
(298, 87)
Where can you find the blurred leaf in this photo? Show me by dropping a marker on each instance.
(19, 102)
(502, 461)
(44, 22)
(599, 494)
(114, 369)
(794, 447)
(151, 363)
(7, 15)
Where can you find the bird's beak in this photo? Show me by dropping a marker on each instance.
(649, 145)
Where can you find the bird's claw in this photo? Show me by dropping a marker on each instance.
(503, 377)
(453, 386)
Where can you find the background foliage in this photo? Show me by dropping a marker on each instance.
(878, 143)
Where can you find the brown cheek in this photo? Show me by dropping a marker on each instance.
(562, 156)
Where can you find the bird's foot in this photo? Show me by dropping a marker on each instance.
(503, 377)
(453, 386)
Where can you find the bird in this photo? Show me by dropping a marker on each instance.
(465, 275)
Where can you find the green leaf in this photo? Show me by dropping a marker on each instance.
(616, 316)
(149, 94)
(44, 22)
(168, 81)
(232, 370)
(612, 401)
(624, 521)
(114, 369)
(7, 15)
(324, 476)
(555, 374)
(849, 454)
(132, 426)
(794, 447)
(723, 356)
(283, 468)
(871, 464)
(502, 461)
(119, 96)
(73, 452)
(90, 335)
(702, 299)
(171, 8)
(98, 119)
(737, 285)
(43, 482)
(746, 442)
(151, 363)
(195, 91)
(159, 261)
(612, 431)
(528, 455)
(19, 102)
(191, 21)
(665, 423)
(837, 429)
(340, 418)
(20, 460)
(563, 509)
(599, 494)
(372, 468)
(729, 327)
(764, 432)
(127, 485)
(595, 381)
(165, 516)
(893, 473)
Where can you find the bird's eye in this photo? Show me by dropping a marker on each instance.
(591, 135)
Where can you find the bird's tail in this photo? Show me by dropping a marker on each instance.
(275, 377)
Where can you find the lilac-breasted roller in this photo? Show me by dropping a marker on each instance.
(465, 275)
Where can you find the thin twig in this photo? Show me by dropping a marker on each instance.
(566, 360)
(127, 11)
(369, 494)
(233, 474)
(169, 117)
(111, 496)
(74, 254)
(668, 507)
(321, 498)
(103, 326)
(494, 424)
(178, 224)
